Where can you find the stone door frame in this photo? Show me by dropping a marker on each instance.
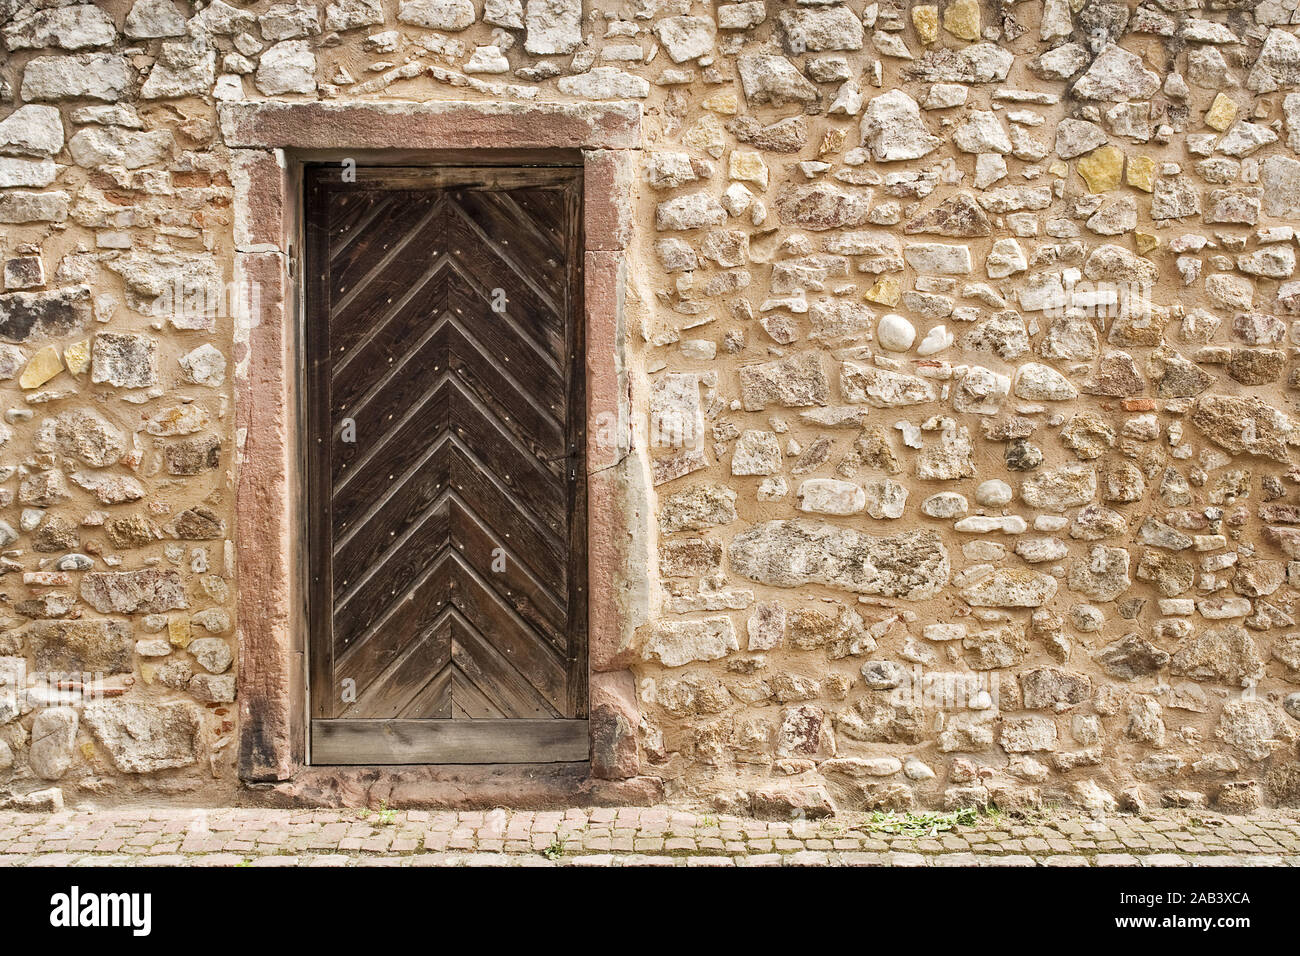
(268, 143)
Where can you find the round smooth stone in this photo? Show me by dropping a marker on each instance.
(994, 493)
(895, 333)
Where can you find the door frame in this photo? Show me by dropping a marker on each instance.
(269, 144)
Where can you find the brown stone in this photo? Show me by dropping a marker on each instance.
(199, 523)
(81, 646)
(193, 456)
(130, 592)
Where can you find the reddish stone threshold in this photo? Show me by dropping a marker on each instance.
(470, 787)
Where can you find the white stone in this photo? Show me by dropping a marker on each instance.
(938, 258)
(1005, 258)
(1278, 63)
(893, 129)
(286, 67)
(935, 341)
(553, 26)
(915, 770)
(983, 524)
(1117, 75)
(605, 83)
(67, 27)
(26, 172)
(886, 498)
(895, 333)
(982, 133)
(182, 69)
(1039, 550)
(830, 496)
(675, 643)
(944, 632)
(487, 59)
(1010, 587)
(100, 76)
(53, 742)
(944, 96)
(882, 388)
(979, 390)
(945, 504)
(113, 146)
(989, 168)
(756, 453)
(993, 493)
(1037, 383)
(771, 78)
(453, 15)
(686, 38)
(32, 130)
(151, 19)
(692, 211)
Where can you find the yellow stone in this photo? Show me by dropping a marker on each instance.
(962, 19)
(43, 366)
(707, 136)
(885, 292)
(1102, 168)
(1059, 168)
(1222, 112)
(832, 141)
(724, 102)
(88, 750)
(147, 672)
(926, 21)
(178, 630)
(77, 357)
(1141, 173)
(1146, 242)
(747, 166)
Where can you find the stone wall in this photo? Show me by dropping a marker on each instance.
(962, 357)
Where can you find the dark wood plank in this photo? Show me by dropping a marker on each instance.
(324, 693)
(511, 691)
(523, 647)
(576, 382)
(419, 663)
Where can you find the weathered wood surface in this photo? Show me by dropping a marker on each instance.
(446, 500)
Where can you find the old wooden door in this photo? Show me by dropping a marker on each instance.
(446, 503)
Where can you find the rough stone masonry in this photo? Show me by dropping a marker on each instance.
(963, 337)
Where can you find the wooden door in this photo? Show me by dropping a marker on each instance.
(446, 502)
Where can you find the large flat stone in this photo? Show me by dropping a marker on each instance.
(149, 591)
(81, 646)
(912, 565)
(99, 76)
(144, 737)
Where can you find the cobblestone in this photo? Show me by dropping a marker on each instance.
(628, 837)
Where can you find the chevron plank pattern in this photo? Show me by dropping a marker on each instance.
(448, 576)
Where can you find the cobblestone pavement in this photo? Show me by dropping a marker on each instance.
(629, 837)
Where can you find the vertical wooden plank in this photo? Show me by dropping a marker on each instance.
(577, 442)
(319, 589)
